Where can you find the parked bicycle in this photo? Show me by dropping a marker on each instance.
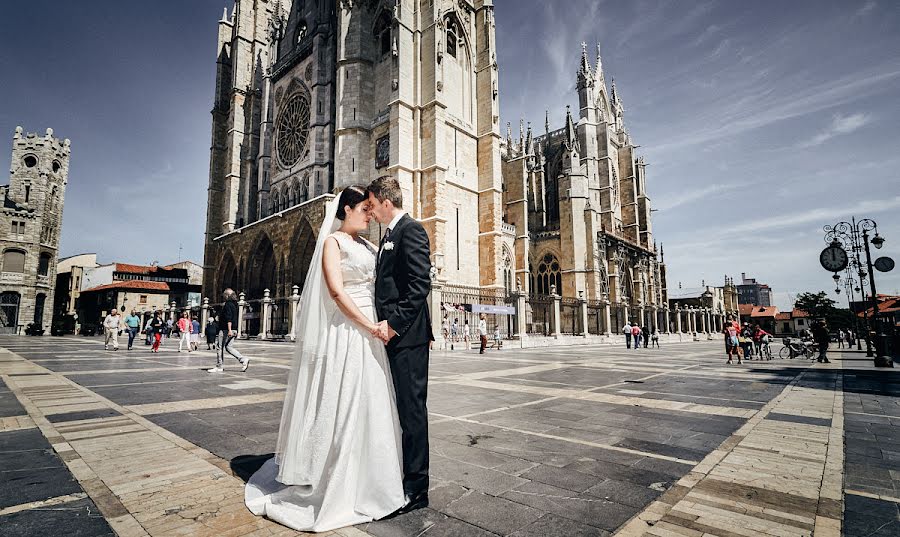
(797, 348)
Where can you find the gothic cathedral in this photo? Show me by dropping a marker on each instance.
(315, 95)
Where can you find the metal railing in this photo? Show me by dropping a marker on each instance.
(570, 316)
(541, 322)
(596, 318)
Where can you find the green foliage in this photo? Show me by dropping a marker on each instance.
(819, 306)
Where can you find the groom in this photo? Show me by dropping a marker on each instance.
(402, 284)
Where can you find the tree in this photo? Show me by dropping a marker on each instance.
(819, 306)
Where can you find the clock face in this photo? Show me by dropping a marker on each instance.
(833, 259)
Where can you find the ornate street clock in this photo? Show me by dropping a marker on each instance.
(834, 258)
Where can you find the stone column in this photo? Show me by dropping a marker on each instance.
(295, 304)
(677, 319)
(668, 319)
(607, 317)
(522, 318)
(434, 306)
(625, 310)
(702, 320)
(556, 314)
(204, 313)
(265, 326)
(242, 304)
(172, 310)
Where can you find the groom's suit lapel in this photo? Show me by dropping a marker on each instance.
(382, 253)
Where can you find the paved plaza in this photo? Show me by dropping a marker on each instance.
(569, 441)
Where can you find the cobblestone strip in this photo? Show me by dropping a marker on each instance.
(144, 479)
(779, 475)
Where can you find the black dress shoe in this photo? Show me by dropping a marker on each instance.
(417, 501)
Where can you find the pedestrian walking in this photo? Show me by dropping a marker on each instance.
(627, 331)
(148, 331)
(184, 329)
(169, 328)
(820, 334)
(212, 332)
(482, 332)
(133, 326)
(655, 337)
(732, 343)
(445, 331)
(195, 333)
(841, 337)
(645, 335)
(498, 340)
(157, 325)
(745, 339)
(228, 323)
(112, 325)
(636, 335)
(454, 331)
(851, 337)
(467, 335)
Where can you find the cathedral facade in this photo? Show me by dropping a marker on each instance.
(315, 95)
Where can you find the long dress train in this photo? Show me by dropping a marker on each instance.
(342, 458)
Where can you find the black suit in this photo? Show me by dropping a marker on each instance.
(402, 285)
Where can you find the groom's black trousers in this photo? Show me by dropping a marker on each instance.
(409, 368)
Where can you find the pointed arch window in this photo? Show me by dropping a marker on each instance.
(382, 33)
(304, 189)
(547, 274)
(507, 271)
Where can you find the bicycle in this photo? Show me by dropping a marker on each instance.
(798, 349)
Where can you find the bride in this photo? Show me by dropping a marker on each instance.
(338, 460)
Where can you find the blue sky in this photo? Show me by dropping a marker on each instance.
(760, 121)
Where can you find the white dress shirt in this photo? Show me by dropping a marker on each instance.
(396, 219)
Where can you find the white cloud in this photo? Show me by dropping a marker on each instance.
(840, 124)
(824, 215)
(671, 201)
(866, 8)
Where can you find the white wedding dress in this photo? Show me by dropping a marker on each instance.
(340, 453)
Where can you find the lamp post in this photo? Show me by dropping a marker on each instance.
(854, 236)
(851, 286)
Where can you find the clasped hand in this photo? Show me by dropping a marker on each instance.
(383, 331)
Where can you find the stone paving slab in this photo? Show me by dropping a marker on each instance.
(581, 441)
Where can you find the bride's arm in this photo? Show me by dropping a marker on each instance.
(331, 269)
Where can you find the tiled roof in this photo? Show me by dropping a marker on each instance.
(139, 285)
(134, 269)
(783, 316)
(764, 311)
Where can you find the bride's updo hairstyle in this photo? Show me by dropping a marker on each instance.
(351, 196)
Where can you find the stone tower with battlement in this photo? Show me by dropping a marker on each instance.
(29, 229)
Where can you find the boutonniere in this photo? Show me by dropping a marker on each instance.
(388, 245)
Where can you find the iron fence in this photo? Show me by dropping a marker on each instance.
(570, 316)
(252, 318)
(596, 318)
(457, 314)
(541, 308)
(279, 320)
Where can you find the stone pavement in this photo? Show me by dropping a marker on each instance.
(560, 441)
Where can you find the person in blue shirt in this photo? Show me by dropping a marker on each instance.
(133, 326)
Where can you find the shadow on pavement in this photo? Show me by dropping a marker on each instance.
(245, 466)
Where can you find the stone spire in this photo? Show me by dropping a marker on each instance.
(598, 69)
(224, 14)
(571, 135)
(509, 142)
(529, 146)
(547, 122)
(521, 135)
(585, 75)
(613, 95)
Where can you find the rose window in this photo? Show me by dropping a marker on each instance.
(292, 130)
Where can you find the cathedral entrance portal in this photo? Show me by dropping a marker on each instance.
(302, 248)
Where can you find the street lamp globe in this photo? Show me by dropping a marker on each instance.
(877, 241)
